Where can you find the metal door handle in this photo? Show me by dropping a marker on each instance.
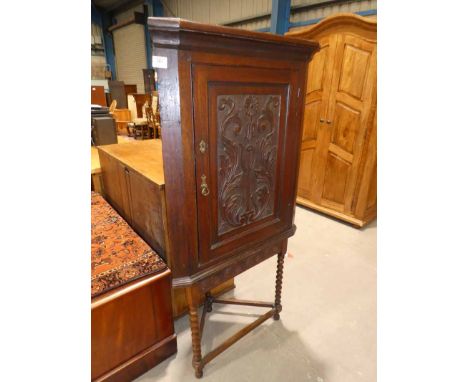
(322, 120)
(328, 121)
(204, 186)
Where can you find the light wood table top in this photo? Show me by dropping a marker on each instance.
(95, 164)
(144, 157)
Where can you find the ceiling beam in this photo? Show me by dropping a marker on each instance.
(280, 11)
(122, 6)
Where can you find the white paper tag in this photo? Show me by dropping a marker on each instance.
(160, 62)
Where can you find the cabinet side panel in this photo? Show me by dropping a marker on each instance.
(111, 180)
(147, 212)
(174, 88)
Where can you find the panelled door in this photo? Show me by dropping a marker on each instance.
(245, 157)
(319, 79)
(340, 144)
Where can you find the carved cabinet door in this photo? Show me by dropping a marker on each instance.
(247, 136)
(348, 119)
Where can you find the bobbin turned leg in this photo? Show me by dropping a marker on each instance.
(193, 300)
(279, 283)
(209, 302)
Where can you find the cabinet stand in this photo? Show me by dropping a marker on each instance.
(197, 325)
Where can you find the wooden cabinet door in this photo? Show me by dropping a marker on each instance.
(348, 119)
(319, 79)
(246, 157)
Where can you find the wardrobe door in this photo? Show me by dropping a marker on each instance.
(319, 78)
(348, 119)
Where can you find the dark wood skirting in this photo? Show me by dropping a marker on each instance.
(125, 345)
(232, 267)
(142, 362)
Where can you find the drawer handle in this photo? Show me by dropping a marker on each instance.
(204, 186)
(329, 122)
(322, 120)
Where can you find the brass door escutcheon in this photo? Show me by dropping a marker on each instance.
(203, 146)
(204, 186)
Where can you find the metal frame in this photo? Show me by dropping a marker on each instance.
(280, 11)
(104, 20)
(157, 10)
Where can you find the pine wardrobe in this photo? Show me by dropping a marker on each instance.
(338, 168)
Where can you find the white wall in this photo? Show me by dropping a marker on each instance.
(220, 11)
(224, 11)
(130, 50)
(327, 10)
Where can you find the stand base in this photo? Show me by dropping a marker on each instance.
(193, 298)
(273, 312)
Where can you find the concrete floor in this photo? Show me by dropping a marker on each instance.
(327, 331)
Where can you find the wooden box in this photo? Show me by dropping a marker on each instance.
(131, 314)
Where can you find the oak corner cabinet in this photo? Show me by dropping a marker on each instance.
(231, 106)
(338, 170)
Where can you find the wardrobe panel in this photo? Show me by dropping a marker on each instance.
(354, 70)
(305, 175)
(311, 121)
(345, 127)
(336, 175)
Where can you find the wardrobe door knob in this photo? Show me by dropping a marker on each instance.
(322, 120)
(328, 121)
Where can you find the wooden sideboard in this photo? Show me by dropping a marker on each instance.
(338, 171)
(132, 328)
(231, 106)
(133, 182)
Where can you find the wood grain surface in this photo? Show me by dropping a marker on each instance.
(338, 154)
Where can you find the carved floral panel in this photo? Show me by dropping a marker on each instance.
(248, 127)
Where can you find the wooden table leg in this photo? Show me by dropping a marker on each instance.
(209, 301)
(279, 283)
(193, 300)
(96, 179)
